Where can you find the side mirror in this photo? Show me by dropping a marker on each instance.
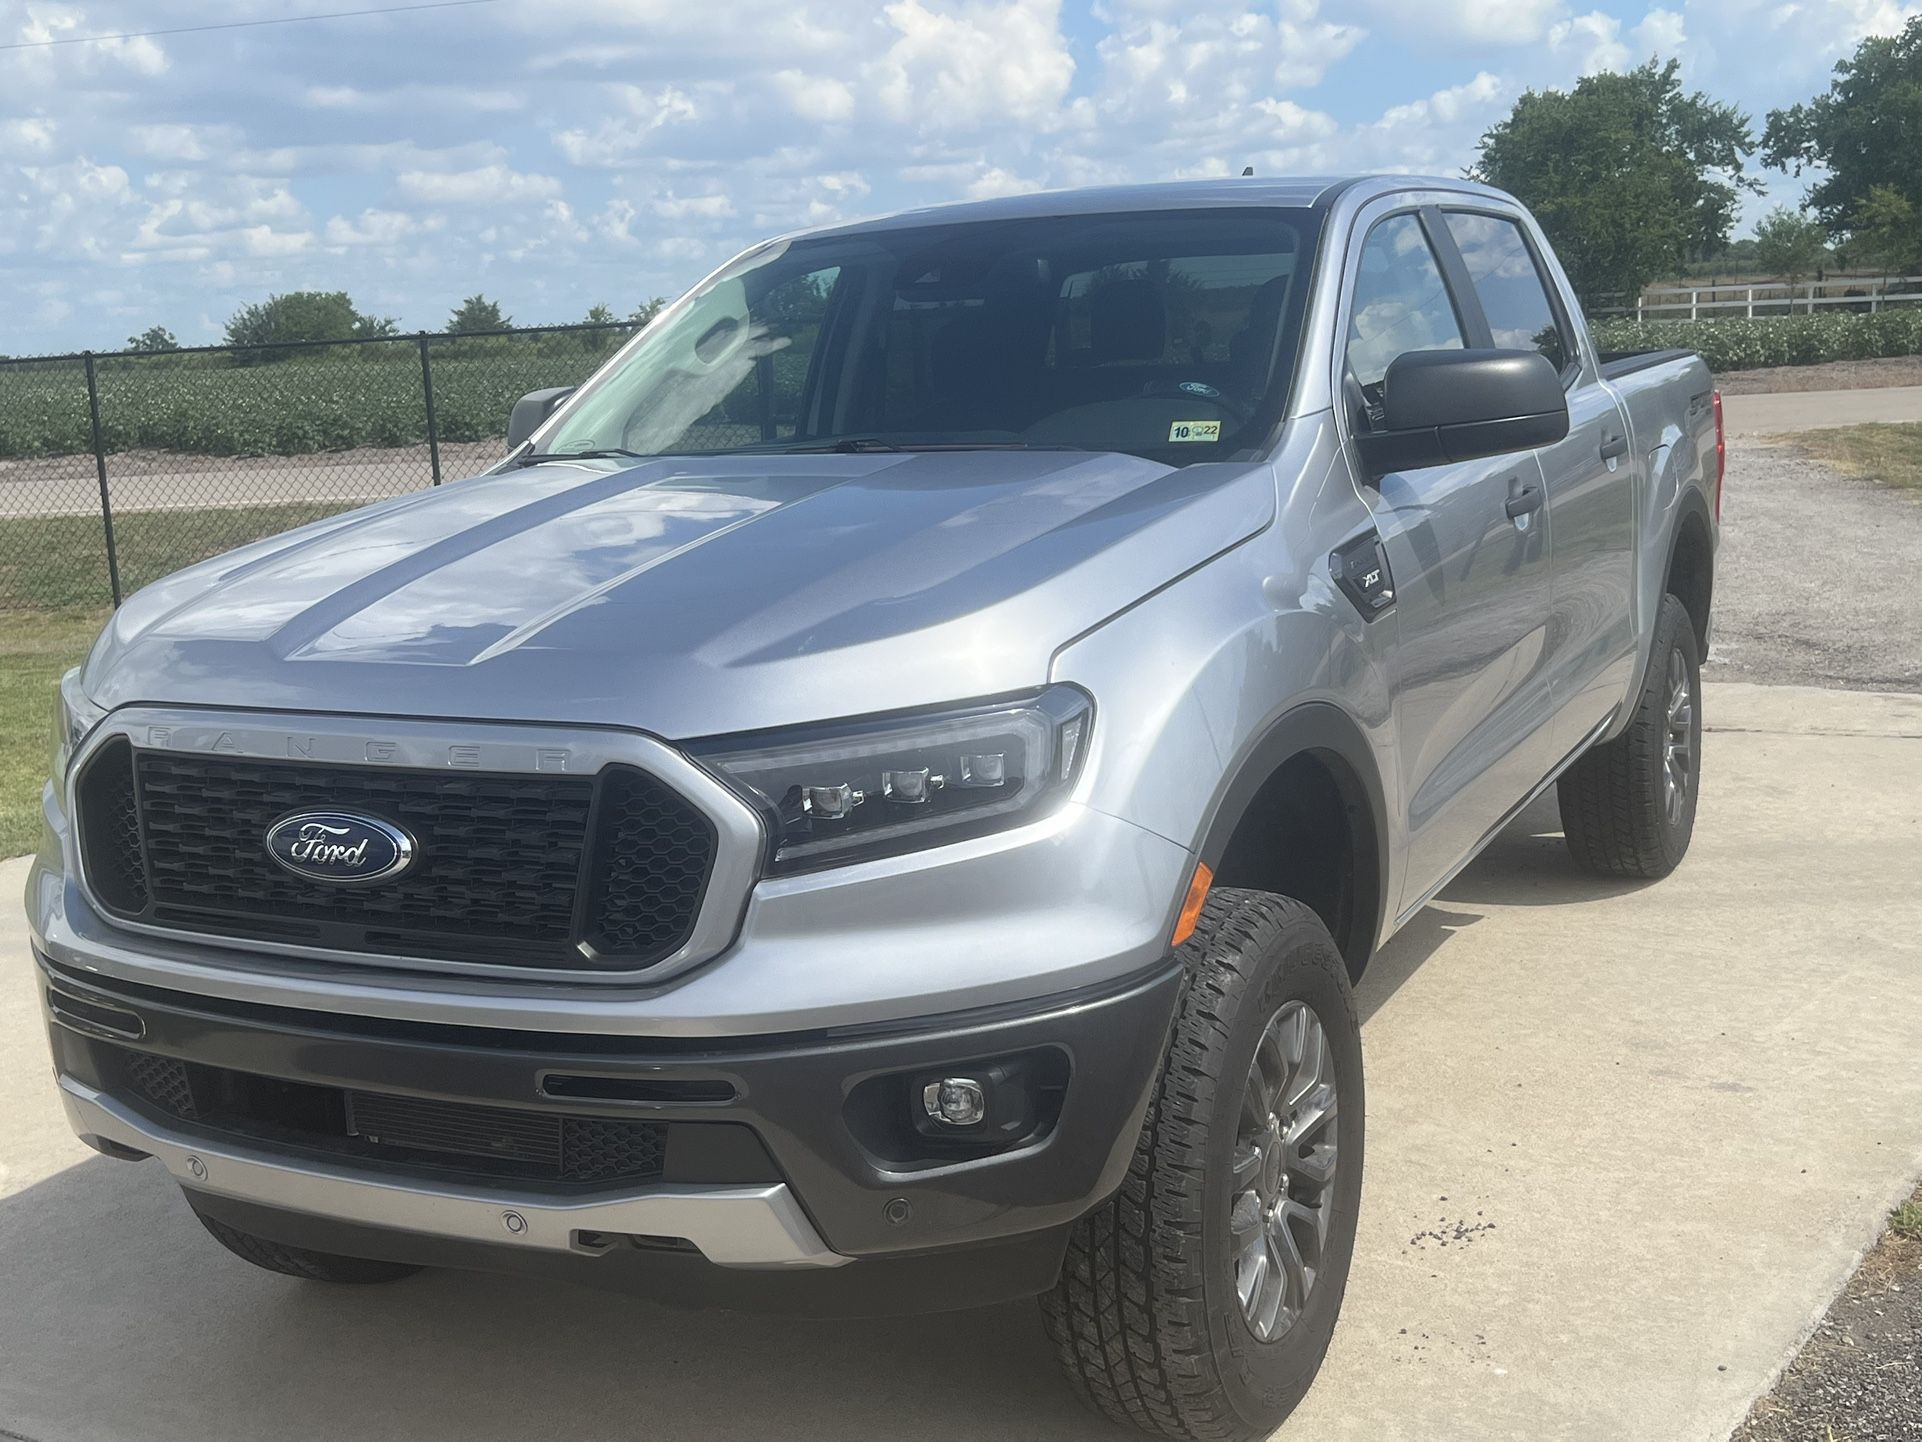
(530, 410)
(1440, 406)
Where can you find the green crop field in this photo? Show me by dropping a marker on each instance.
(327, 399)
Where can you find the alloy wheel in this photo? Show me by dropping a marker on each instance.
(1282, 1195)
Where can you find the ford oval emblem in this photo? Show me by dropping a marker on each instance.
(341, 848)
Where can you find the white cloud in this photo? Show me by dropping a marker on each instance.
(32, 135)
(264, 240)
(1592, 41)
(819, 98)
(487, 185)
(1471, 22)
(616, 139)
(971, 64)
(692, 207)
(377, 227)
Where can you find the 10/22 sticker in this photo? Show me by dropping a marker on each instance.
(1194, 431)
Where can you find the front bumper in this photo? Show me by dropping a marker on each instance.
(847, 1179)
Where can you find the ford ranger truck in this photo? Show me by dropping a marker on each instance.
(879, 801)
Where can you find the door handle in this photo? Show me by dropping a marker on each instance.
(1613, 447)
(1524, 502)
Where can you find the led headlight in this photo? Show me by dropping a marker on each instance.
(73, 717)
(859, 789)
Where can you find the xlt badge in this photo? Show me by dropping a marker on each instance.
(1360, 569)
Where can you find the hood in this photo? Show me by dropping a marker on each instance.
(682, 596)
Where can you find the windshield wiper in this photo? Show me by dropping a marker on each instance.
(606, 453)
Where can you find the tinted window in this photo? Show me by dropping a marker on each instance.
(1401, 302)
(1170, 335)
(1513, 294)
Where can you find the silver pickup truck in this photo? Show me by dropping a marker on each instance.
(879, 800)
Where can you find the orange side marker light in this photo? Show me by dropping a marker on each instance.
(1191, 905)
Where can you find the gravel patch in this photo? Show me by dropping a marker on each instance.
(1859, 1377)
(1815, 581)
(1901, 370)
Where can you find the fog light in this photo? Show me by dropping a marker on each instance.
(955, 1101)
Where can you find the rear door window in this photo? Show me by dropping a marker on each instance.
(1511, 288)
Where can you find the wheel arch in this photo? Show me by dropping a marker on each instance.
(1689, 574)
(1311, 769)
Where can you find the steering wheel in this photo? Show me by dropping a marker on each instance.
(1172, 391)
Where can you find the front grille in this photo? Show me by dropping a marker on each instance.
(511, 868)
(412, 1132)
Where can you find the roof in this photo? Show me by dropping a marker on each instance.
(1292, 192)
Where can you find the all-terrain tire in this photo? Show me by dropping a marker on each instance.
(302, 1262)
(1614, 802)
(1146, 1317)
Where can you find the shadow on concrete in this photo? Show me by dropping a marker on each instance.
(1526, 865)
(124, 1320)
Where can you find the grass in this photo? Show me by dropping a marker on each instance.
(1891, 454)
(1906, 1221)
(34, 649)
(59, 563)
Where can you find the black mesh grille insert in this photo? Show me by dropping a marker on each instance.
(178, 839)
(162, 1081)
(110, 818)
(652, 869)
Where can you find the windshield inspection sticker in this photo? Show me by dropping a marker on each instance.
(1195, 431)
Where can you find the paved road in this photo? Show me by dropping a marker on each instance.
(1818, 410)
(1624, 1145)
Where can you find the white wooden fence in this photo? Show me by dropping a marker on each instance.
(1699, 301)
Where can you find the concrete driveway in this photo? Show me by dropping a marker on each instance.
(1625, 1142)
(1763, 415)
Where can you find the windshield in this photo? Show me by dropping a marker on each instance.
(1166, 335)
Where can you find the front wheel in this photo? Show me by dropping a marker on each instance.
(1200, 1300)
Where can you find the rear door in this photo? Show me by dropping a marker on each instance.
(1590, 474)
(1471, 613)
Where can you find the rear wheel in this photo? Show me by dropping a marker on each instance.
(1628, 808)
(303, 1262)
(1199, 1302)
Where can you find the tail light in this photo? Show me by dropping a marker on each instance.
(1721, 454)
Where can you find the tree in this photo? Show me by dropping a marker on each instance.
(645, 312)
(1864, 134)
(1627, 174)
(599, 315)
(477, 313)
(154, 338)
(1788, 243)
(299, 315)
(1885, 230)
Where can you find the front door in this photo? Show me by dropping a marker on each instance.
(1590, 477)
(1471, 612)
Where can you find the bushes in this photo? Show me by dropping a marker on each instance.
(1742, 344)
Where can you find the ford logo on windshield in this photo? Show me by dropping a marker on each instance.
(339, 847)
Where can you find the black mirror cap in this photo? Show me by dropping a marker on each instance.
(1441, 406)
(530, 410)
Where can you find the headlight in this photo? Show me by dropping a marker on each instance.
(73, 717)
(861, 789)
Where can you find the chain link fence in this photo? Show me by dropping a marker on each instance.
(116, 469)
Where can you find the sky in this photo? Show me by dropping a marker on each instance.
(558, 154)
